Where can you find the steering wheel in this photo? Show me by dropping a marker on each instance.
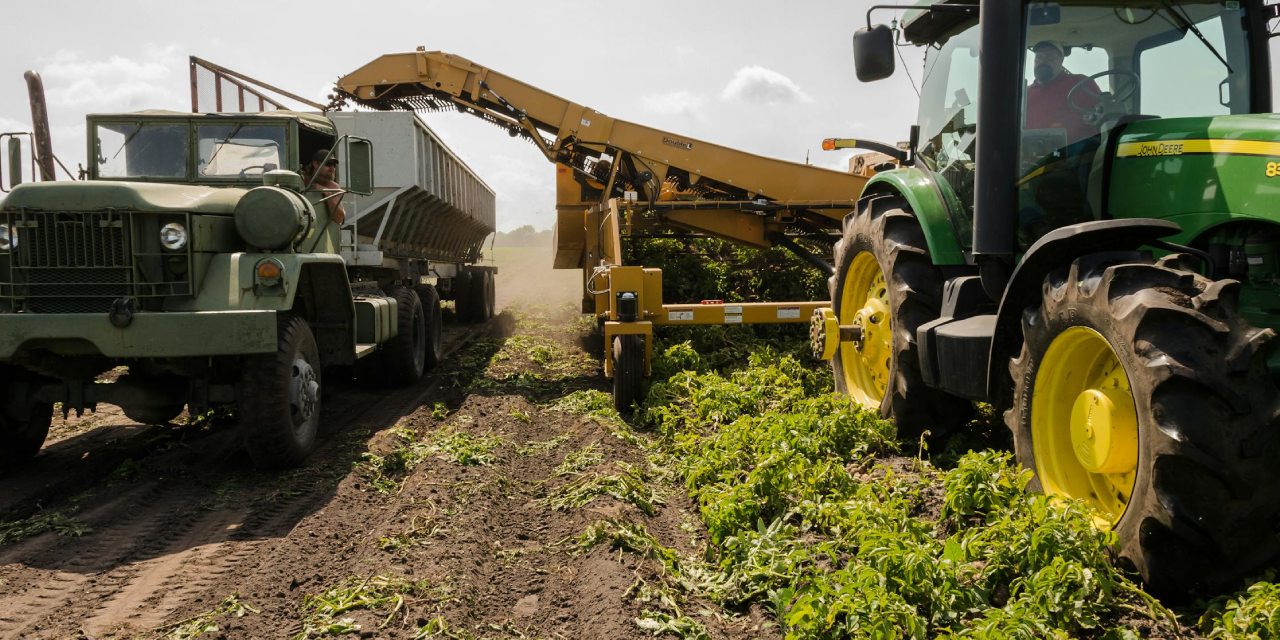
(1084, 85)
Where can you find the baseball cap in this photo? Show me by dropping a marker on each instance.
(1049, 43)
(319, 157)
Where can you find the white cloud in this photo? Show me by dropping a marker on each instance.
(674, 102)
(118, 83)
(758, 85)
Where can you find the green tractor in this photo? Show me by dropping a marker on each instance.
(1084, 233)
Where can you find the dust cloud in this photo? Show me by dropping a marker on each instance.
(525, 278)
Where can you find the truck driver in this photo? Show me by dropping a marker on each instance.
(325, 182)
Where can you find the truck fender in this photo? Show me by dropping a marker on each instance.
(323, 296)
(1056, 249)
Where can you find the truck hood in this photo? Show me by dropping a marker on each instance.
(94, 195)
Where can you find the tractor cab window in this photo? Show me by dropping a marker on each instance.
(949, 117)
(141, 150)
(239, 150)
(1090, 67)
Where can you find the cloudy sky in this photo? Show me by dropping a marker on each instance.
(773, 78)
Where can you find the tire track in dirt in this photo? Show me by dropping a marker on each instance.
(123, 576)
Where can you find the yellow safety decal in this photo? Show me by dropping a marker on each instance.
(1157, 148)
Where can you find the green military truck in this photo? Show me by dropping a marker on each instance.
(195, 255)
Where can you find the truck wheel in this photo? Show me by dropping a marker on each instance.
(430, 299)
(490, 293)
(628, 371)
(886, 283)
(24, 425)
(1140, 390)
(462, 297)
(280, 405)
(154, 414)
(478, 300)
(405, 355)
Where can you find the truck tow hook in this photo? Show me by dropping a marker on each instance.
(122, 310)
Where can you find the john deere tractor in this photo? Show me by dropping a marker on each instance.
(1084, 232)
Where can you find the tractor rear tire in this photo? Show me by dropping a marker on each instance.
(478, 302)
(430, 299)
(1204, 490)
(405, 356)
(280, 398)
(24, 425)
(885, 376)
(628, 371)
(462, 297)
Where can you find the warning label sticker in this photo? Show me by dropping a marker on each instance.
(735, 309)
(786, 313)
(732, 319)
(680, 316)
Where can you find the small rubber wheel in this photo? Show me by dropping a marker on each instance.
(462, 297)
(24, 425)
(405, 356)
(628, 371)
(430, 299)
(479, 308)
(280, 397)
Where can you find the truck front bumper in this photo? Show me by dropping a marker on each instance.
(150, 334)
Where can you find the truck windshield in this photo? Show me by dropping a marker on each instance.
(239, 150)
(1090, 66)
(141, 150)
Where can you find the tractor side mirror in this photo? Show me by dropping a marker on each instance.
(873, 53)
(359, 166)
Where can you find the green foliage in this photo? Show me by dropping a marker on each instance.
(464, 448)
(627, 486)
(579, 460)
(383, 594)
(712, 269)
(534, 447)
(203, 623)
(58, 522)
(1253, 615)
(661, 623)
(983, 483)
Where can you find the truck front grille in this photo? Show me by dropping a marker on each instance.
(69, 261)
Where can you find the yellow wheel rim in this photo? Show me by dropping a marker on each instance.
(1084, 425)
(864, 302)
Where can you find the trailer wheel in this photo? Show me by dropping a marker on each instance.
(628, 371)
(405, 356)
(462, 297)
(24, 425)
(480, 309)
(490, 293)
(886, 283)
(1140, 390)
(280, 398)
(430, 299)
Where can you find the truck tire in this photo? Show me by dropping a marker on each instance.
(430, 299)
(156, 413)
(280, 397)
(478, 300)
(24, 425)
(405, 356)
(1140, 389)
(886, 281)
(462, 297)
(628, 371)
(490, 293)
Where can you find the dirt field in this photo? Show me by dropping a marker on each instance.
(442, 510)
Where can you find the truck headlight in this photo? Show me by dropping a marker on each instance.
(173, 236)
(8, 238)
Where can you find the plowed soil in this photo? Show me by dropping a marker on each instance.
(154, 528)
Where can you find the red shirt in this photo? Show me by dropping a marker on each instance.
(1047, 106)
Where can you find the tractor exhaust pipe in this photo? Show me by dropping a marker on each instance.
(40, 126)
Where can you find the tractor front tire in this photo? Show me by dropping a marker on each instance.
(24, 424)
(405, 356)
(280, 398)
(628, 371)
(1141, 390)
(887, 283)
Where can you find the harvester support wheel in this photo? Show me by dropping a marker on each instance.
(628, 371)
(462, 296)
(887, 285)
(24, 424)
(1140, 390)
(280, 397)
(479, 308)
(405, 356)
(430, 299)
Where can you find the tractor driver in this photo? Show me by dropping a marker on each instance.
(324, 181)
(1047, 105)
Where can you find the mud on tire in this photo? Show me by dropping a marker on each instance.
(884, 227)
(1207, 482)
(279, 409)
